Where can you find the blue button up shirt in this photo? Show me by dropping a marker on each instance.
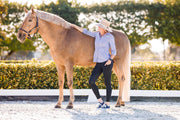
(102, 45)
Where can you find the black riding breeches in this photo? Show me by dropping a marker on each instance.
(106, 70)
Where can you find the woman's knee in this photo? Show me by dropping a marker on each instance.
(91, 81)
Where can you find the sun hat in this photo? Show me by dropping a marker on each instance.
(105, 25)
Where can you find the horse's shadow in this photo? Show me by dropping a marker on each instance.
(122, 113)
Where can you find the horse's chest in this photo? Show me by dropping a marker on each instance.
(57, 54)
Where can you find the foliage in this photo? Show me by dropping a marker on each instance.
(155, 76)
(141, 21)
(43, 75)
(12, 18)
(3, 9)
(164, 19)
(10, 22)
(123, 15)
(64, 9)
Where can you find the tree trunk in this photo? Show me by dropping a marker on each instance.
(1, 54)
(164, 50)
(176, 53)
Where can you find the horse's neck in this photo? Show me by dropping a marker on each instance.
(50, 32)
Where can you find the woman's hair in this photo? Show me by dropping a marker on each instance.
(106, 31)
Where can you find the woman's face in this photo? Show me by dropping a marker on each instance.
(101, 30)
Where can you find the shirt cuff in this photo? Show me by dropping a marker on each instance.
(84, 30)
(113, 53)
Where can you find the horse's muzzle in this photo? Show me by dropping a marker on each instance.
(21, 37)
(29, 36)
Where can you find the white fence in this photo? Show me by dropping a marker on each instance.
(88, 92)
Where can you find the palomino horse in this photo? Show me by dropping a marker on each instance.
(70, 47)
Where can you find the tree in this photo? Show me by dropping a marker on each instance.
(10, 21)
(141, 21)
(126, 16)
(67, 10)
(164, 19)
(3, 9)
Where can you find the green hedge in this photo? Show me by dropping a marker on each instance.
(155, 76)
(43, 75)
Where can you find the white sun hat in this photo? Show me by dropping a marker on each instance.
(105, 25)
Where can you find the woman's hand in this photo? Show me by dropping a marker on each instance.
(108, 62)
(77, 27)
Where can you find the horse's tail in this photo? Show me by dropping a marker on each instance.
(127, 73)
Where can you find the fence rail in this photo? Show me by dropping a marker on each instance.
(88, 92)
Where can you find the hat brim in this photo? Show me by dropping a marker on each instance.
(102, 26)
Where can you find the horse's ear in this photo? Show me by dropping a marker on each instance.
(25, 10)
(33, 12)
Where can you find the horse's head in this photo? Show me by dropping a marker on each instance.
(29, 26)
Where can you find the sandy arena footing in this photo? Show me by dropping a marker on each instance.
(32, 110)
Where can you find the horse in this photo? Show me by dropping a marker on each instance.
(69, 47)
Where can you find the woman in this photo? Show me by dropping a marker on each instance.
(104, 60)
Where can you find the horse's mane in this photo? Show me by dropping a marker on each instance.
(53, 18)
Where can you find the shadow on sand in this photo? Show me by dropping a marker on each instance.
(122, 113)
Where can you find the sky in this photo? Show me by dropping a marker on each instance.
(156, 45)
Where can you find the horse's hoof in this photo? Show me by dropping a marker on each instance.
(122, 104)
(69, 107)
(57, 106)
(117, 105)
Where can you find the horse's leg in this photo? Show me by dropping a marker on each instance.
(121, 84)
(118, 70)
(69, 72)
(61, 72)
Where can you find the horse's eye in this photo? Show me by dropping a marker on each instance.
(30, 20)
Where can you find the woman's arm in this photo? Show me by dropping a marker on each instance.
(84, 31)
(113, 51)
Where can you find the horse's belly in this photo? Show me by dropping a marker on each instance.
(84, 61)
(90, 64)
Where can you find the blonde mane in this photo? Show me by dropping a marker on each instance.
(53, 18)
